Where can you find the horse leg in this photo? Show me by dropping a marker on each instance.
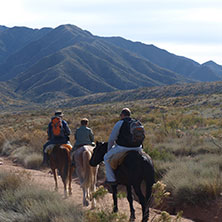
(93, 186)
(64, 180)
(70, 180)
(65, 189)
(114, 191)
(55, 178)
(93, 189)
(85, 201)
(142, 201)
(130, 200)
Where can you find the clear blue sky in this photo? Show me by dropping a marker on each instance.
(191, 28)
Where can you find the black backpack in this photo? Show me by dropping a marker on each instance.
(132, 133)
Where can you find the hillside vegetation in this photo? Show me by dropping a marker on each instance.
(183, 136)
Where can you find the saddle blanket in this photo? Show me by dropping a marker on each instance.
(118, 158)
(50, 147)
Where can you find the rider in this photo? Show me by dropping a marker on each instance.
(118, 142)
(62, 138)
(83, 136)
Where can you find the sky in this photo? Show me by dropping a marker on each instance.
(190, 28)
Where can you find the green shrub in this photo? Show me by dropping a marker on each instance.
(193, 182)
(159, 154)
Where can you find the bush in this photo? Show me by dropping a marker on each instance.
(22, 202)
(105, 215)
(184, 186)
(159, 154)
(33, 161)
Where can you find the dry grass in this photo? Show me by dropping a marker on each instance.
(21, 201)
(178, 159)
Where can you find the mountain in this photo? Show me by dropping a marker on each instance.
(179, 64)
(73, 62)
(3, 28)
(214, 66)
(48, 64)
(14, 39)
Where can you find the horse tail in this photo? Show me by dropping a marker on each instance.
(87, 169)
(149, 181)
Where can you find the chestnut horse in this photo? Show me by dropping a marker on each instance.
(135, 169)
(60, 159)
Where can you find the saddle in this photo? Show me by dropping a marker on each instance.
(118, 158)
(50, 147)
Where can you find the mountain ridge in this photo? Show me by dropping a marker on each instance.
(69, 62)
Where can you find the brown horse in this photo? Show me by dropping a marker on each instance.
(86, 173)
(60, 159)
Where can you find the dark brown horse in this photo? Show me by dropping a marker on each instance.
(135, 169)
(60, 160)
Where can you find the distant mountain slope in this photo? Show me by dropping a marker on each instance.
(14, 39)
(193, 89)
(73, 62)
(88, 68)
(43, 64)
(3, 28)
(179, 64)
(214, 66)
(11, 101)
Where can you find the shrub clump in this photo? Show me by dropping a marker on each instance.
(20, 201)
(33, 161)
(194, 181)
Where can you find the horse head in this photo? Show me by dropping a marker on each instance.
(98, 153)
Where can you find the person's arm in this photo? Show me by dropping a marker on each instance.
(49, 131)
(91, 135)
(66, 127)
(114, 134)
(75, 135)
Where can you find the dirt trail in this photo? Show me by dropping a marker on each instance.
(46, 181)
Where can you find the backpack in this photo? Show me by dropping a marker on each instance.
(137, 131)
(131, 133)
(57, 127)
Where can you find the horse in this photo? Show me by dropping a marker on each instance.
(86, 173)
(134, 169)
(60, 159)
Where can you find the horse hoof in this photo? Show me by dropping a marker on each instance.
(86, 203)
(132, 219)
(115, 210)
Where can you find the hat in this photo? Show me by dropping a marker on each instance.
(84, 121)
(125, 112)
(58, 113)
